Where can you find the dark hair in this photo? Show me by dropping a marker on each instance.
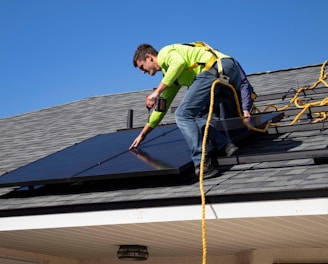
(141, 51)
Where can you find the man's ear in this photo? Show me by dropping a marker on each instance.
(147, 55)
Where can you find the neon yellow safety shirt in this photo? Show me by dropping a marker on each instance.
(176, 62)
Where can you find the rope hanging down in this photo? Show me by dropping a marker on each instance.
(296, 100)
(201, 175)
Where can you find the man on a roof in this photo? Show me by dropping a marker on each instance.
(197, 66)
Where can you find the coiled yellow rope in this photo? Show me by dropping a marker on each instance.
(305, 106)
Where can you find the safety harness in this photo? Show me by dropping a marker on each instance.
(215, 58)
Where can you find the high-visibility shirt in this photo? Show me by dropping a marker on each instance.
(176, 62)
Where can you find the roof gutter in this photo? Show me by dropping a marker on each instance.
(253, 209)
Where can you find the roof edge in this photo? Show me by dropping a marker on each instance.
(299, 207)
(286, 69)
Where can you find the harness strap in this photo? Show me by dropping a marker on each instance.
(209, 64)
(220, 68)
(214, 58)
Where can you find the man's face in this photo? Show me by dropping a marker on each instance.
(148, 65)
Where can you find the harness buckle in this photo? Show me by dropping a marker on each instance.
(224, 79)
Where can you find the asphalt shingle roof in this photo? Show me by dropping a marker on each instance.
(31, 136)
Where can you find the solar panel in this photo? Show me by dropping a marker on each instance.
(107, 156)
(234, 128)
(166, 154)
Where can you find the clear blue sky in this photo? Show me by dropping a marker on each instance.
(58, 51)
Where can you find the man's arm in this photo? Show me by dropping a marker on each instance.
(246, 90)
(150, 99)
(156, 117)
(142, 135)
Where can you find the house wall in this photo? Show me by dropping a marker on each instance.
(20, 257)
(265, 256)
(168, 260)
(304, 255)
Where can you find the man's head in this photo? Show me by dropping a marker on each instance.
(145, 58)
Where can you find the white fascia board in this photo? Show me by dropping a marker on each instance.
(298, 207)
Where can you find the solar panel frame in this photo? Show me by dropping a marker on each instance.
(107, 156)
(76, 162)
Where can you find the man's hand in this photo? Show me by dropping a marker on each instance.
(137, 142)
(247, 114)
(143, 134)
(150, 102)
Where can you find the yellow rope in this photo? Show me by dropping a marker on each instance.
(201, 174)
(305, 106)
(296, 100)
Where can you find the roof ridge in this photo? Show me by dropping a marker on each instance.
(71, 102)
(286, 69)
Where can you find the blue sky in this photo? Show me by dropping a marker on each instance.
(54, 52)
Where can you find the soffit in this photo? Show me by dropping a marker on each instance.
(174, 239)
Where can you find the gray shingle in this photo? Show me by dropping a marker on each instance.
(31, 136)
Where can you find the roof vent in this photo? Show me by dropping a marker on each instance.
(129, 122)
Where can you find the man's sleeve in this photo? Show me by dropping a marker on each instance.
(176, 64)
(246, 90)
(169, 94)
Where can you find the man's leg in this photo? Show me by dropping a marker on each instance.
(188, 117)
(227, 102)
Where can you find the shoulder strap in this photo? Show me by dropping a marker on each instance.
(212, 59)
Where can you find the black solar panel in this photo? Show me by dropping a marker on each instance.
(107, 156)
(166, 153)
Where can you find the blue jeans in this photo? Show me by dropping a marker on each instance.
(191, 115)
(225, 102)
